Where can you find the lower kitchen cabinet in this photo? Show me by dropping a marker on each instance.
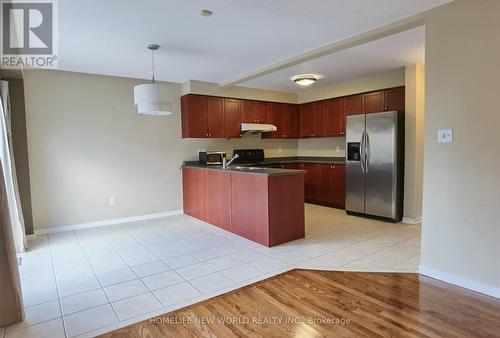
(267, 209)
(217, 186)
(324, 184)
(192, 192)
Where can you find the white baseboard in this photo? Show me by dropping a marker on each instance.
(412, 220)
(460, 281)
(106, 222)
(30, 237)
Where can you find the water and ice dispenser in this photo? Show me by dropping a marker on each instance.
(353, 151)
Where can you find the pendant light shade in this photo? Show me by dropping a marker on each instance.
(149, 101)
(150, 98)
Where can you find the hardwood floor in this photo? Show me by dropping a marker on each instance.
(309, 303)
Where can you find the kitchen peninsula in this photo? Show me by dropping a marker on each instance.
(265, 205)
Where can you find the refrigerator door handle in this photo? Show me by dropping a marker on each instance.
(362, 152)
(367, 151)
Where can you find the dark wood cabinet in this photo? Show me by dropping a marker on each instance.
(319, 118)
(353, 105)
(207, 116)
(193, 192)
(248, 111)
(217, 186)
(374, 102)
(384, 100)
(289, 166)
(332, 185)
(289, 121)
(395, 99)
(210, 117)
(232, 118)
(306, 125)
(194, 116)
(324, 184)
(335, 117)
(215, 117)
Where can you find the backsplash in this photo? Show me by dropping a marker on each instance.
(323, 146)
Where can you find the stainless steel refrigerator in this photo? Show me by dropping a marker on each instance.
(374, 165)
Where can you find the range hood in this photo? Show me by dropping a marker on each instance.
(256, 128)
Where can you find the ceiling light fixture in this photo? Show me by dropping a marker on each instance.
(149, 98)
(206, 12)
(305, 79)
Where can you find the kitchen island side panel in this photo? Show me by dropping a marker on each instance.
(286, 208)
(249, 207)
(192, 194)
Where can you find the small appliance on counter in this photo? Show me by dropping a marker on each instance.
(211, 157)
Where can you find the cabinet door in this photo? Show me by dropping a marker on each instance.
(275, 118)
(263, 111)
(289, 121)
(353, 105)
(232, 118)
(327, 183)
(192, 192)
(215, 117)
(395, 99)
(374, 102)
(319, 118)
(194, 116)
(217, 205)
(312, 184)
(339, 186)
(335, 119)
(248, 111)
(306, 120)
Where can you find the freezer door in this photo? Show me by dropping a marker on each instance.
(381, 165)
(355, 177)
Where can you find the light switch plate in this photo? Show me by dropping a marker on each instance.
(445, 135)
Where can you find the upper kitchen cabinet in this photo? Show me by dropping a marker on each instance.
(319, 119)
(284, 117)
(306, 125)
(275, 117)
(353, 105)
(210, 117)
(395, 99)
(255, 111)
(194, 116)
(335, 117)
(374, 102)
(384, 100)
(232, 118)
(289, 121)
(215, 117)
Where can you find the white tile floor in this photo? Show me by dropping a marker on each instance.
(86, 282)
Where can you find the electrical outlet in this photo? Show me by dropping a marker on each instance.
(337, 149)
(279, 150)
(112, 200)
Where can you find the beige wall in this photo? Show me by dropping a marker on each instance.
(390, 79)
(461, 227)
(207, 88)
(414, 138)
(20, 146)
(87, 143)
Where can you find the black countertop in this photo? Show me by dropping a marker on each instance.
(306, 159)
(247, 168)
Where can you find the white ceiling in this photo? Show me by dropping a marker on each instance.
(378, 56)
(110, 37)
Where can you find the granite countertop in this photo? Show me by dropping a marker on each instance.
(307, 159)
(271, 171)
(245, 169)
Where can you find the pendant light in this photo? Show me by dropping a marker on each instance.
(150, 98)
